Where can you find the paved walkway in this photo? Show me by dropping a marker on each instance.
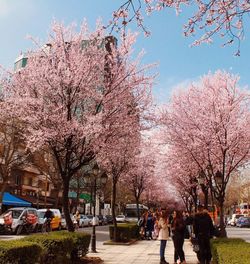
(141, 252)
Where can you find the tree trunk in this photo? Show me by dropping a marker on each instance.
(137, 207)
(195, 198)
(69, 222)
(77, 194)
(113, 202)
(223, 232)
(212, 199)
(57, 199)
(205, 192)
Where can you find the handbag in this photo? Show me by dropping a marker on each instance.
(196, 248)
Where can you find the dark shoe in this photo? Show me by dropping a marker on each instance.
(164, 262)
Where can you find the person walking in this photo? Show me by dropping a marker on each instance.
(203, 230)
(170, 220)
(156, 228)
(178, 230)
(149, 228)
(163, 235)
(77, 218)
(188, 222)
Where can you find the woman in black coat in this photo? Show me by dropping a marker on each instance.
(178, 230)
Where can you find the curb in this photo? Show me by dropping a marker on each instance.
(110, 242)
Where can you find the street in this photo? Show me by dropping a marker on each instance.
(236, 232)
(102, 233)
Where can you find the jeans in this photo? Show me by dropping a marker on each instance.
(162, 249)
(178, 240)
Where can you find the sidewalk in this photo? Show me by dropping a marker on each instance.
(141, 252)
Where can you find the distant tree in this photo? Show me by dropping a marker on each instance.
(209, 121)
(141, 174)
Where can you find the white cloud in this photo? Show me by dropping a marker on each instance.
(5, 7)
(13, 7)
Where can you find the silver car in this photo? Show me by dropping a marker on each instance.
(84, 221)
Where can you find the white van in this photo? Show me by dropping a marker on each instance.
(17, 218)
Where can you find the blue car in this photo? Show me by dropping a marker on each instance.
(244, 222)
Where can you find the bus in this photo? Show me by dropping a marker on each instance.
(131, 214)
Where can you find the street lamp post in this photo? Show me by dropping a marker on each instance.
(204, 187)
(93, 240)
(94, 182)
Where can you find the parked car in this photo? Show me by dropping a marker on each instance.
(101, 220)
(234, 219)
(56, 221)
(41, 220)
(63, 221)
(120, 218)
(19, 219)
(91, 219)
(239, 220)
(109, 219)
(105, 220)
(243, 222)
(84, 221)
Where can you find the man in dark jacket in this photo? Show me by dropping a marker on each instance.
(203, 230)
(48, 214)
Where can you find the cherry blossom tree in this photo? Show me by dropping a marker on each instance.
(182, 172)
(73, 94)
(117, 151)
(140, 175)
(223, 18)
(210, 121)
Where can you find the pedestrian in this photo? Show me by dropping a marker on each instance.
(142, 223)
(156, 228)
(170, 219)
(188, 222)
(163, 235)
(77, 219)
(203, 230)
(149, 228)
(178, 231)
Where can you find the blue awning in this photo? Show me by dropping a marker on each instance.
(9, 199)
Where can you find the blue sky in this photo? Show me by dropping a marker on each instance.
(178, 63)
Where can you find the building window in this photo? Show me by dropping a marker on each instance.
(18, 179)
(30, 182)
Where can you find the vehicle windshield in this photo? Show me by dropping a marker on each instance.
(90, 216)
(238, 216)
(120, 216)
(14, 213)
(41, 214)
